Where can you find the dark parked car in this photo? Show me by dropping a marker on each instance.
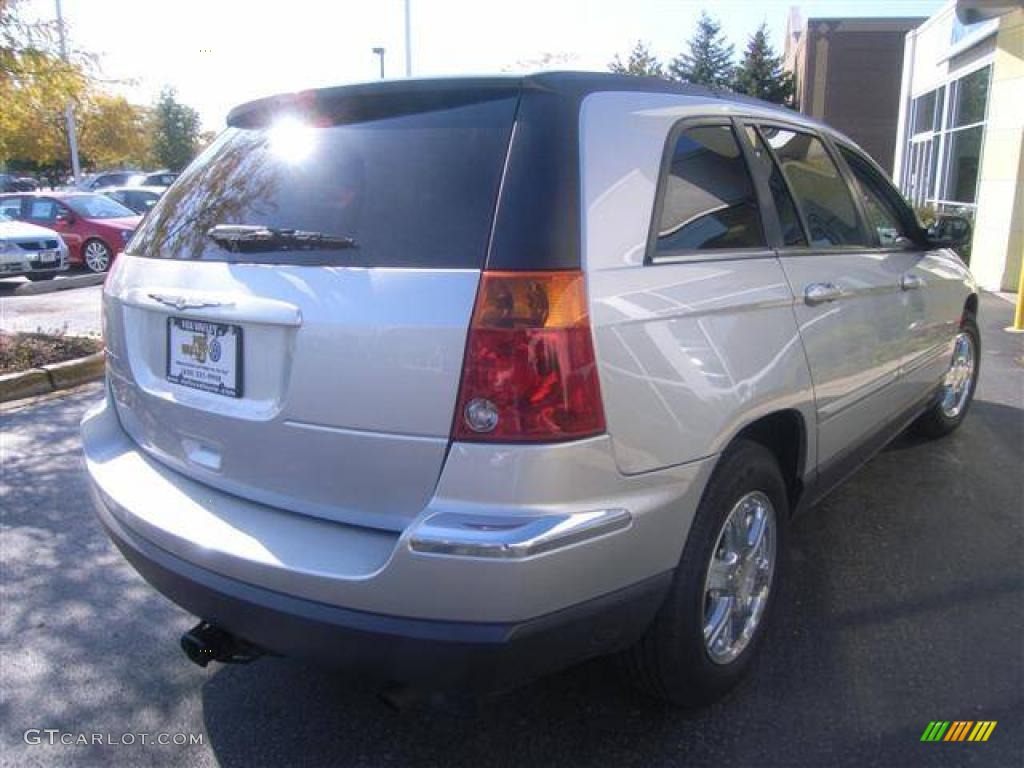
(139, 199)
(9, 183)
(94, 227)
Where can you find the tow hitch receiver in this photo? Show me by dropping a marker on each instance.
(205, 643)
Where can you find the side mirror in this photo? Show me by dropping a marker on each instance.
(949, 231)
(65, 218)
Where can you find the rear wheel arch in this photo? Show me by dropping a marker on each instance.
(971, 305)
(784, 434)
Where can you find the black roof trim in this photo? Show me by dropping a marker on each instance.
(366, 101)
(573, 85)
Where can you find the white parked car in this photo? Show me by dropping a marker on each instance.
(36, 252)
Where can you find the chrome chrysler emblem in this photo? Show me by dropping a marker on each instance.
(180, 302)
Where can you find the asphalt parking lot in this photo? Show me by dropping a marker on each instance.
(903, 603)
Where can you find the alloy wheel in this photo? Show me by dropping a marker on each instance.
(739, 577)
(956, 387)
(97, 256)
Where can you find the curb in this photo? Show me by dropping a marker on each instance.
(57, 284)
(52, 377)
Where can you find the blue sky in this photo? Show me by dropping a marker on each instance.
(218, 53)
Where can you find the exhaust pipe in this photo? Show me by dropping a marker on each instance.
(205, 643)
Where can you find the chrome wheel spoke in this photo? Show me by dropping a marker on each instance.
(720, 576)
(756, 531)
(718, 628)
(732, 537)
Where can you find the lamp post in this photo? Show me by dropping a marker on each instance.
(69, 112)
(380, 54)
(408, 40)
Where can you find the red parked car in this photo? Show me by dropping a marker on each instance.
(94, 227)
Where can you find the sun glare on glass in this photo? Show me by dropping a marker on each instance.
(291, 139)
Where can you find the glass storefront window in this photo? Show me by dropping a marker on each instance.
(963, 159)
(968, 98)
(945, 137)
(927, 109)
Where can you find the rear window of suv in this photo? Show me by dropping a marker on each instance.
(412, 189)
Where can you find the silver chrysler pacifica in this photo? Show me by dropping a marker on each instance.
(461, 381)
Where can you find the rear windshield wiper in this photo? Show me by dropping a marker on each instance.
(248, 238)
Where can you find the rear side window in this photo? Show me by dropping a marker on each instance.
(708, 201)
(820, 190)
(416, 189)
(42, 209)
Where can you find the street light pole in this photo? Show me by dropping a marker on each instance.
(69, 111)
(380, 53)
(408, 41)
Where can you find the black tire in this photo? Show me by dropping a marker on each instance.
(671, 661)
(105, 263)
(37, 277)
(936, 422)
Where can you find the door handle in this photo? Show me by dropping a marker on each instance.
(821, 293)
(911, 282)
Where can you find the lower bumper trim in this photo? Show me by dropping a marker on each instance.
(438, 655)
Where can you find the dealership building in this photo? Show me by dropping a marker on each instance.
(848, 73)
(960, 132)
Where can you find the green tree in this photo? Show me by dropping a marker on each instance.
(640, 62)
(708, 58)
(175, 131)
(35, 85)
(760, 73)
(114, 133)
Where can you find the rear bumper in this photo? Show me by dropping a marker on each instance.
(409, 606)
(431, 654)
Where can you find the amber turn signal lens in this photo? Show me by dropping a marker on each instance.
(531, 300)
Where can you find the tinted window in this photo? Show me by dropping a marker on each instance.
(143, 201)
(792, 232)
(881, 201)
(709, 200)
(820, 191)
(414, 190)
(112, 179)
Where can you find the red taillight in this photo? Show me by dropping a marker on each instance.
(529, 372)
